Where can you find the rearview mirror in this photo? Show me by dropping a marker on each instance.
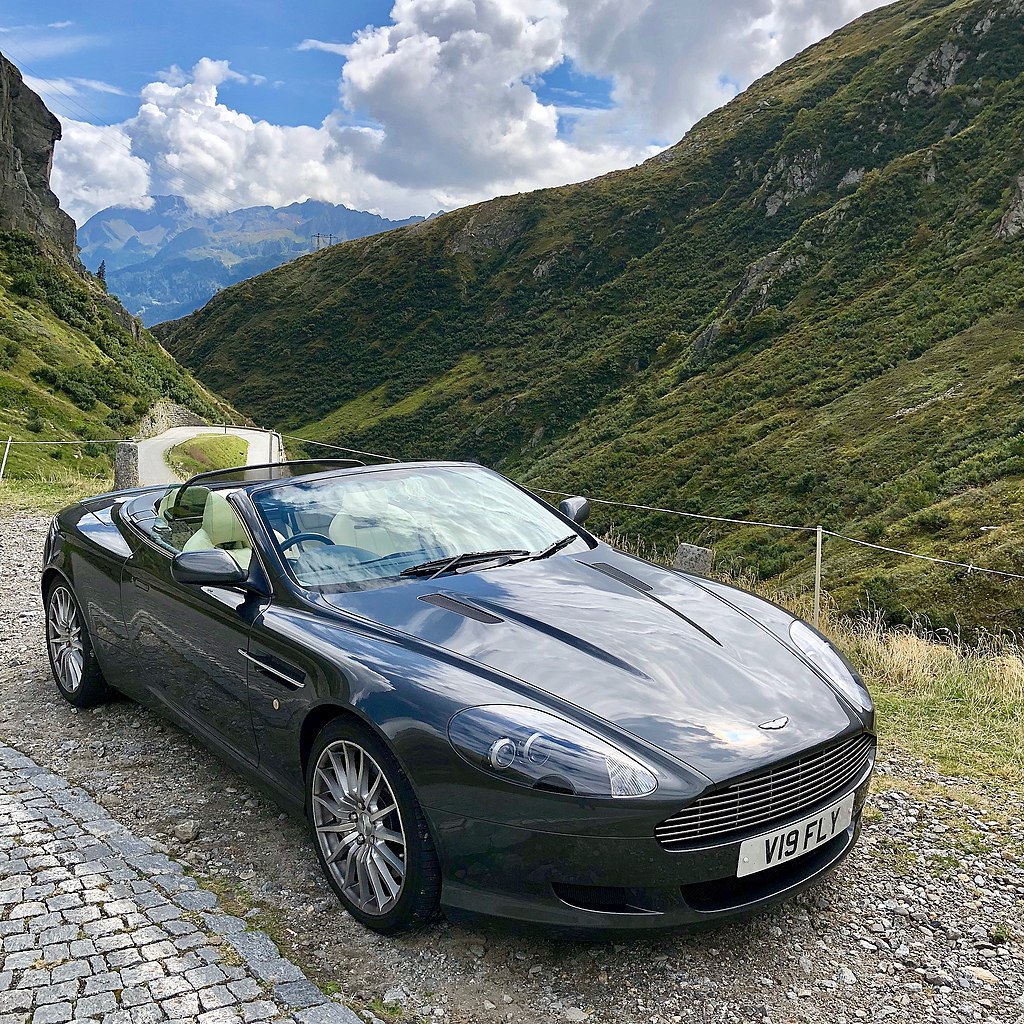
(576, 509)
(211, 568)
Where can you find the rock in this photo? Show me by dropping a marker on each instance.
(938, 71)
(983, 975)
(574, 1013)
(691, 558)
(396, 996)
(1012, 222)
(846, 976)
(186, 831)
(28, 132)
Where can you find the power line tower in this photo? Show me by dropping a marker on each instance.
(320, 240)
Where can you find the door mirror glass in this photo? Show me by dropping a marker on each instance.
(576, 509)
(212, 568)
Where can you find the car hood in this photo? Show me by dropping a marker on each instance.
(673, 664)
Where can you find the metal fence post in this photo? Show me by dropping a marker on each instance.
(817, 576)
(7, 451)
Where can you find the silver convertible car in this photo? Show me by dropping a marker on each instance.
(475, 703)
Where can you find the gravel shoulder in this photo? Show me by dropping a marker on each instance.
(924, 922)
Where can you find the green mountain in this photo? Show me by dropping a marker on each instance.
(811, 309)
(73, 363)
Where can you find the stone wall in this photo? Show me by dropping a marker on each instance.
(165, 415)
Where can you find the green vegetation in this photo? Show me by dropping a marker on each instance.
(51, 493)
(72, 367)
(810, 310)
(958, 706)
(206, 451)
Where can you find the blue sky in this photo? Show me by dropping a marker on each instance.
(128, 44)
(401, 107)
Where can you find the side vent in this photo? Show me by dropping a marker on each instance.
(460, 608)
(622, 577)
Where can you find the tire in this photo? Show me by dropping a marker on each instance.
(69, 648)
(363, 853)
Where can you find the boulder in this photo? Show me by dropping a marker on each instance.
(691, 558)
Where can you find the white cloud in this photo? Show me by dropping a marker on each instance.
(97, 169)
(443, 106)
(52, 89)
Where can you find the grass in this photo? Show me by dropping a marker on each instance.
(956, 704)
(70, 370)
(205, 452)
(50, 492)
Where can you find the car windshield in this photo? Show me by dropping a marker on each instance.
(343, 532)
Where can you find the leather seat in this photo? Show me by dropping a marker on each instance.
(221, 529)
(368, 521)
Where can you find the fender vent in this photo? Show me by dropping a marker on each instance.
(622, 577)
(460, 608)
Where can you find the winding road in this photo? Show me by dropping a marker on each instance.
(264, 446)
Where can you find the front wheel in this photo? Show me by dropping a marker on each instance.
(370, 834)
(69, 647)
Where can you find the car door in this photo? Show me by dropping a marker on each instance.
(190, 643)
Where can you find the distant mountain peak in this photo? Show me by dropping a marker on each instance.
(168, 260)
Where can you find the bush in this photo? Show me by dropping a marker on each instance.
(27, 284)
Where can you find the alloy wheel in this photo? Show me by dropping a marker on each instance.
(359, 827)
(64, 637)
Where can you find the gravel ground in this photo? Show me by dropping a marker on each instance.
(924, 921)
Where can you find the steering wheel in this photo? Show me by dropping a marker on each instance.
(300, 537)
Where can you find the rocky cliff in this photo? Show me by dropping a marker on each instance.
(28, 132)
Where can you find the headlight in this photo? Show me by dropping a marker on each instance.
(534, 749)
(825, 657)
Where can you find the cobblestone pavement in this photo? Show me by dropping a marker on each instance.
(96, 926)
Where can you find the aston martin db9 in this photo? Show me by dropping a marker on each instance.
(475, 703)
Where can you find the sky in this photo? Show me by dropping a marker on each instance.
(400, 107)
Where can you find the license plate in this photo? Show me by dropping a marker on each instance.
(763, 852)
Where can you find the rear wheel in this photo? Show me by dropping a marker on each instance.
(370, 834)
(72, 659)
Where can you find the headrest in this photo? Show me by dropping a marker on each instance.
(221, 522)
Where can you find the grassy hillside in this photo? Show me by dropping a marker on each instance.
(70, 368)
(205, 452)
(809, 310)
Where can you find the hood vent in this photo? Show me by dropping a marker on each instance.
(646, 588)
(622, 577)
(460, 608)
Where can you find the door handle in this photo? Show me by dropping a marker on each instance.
(139, 583)
(283, 677)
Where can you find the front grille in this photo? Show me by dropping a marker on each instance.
(781, 792)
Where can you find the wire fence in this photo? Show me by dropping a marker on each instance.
(820, 532)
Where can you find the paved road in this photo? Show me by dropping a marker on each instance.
(95, 925)
(153, 468)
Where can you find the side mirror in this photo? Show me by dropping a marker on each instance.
(576, 509)
(212, 568)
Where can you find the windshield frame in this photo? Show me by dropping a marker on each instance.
(285, 570)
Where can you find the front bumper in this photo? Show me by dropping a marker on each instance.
(615, 884)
